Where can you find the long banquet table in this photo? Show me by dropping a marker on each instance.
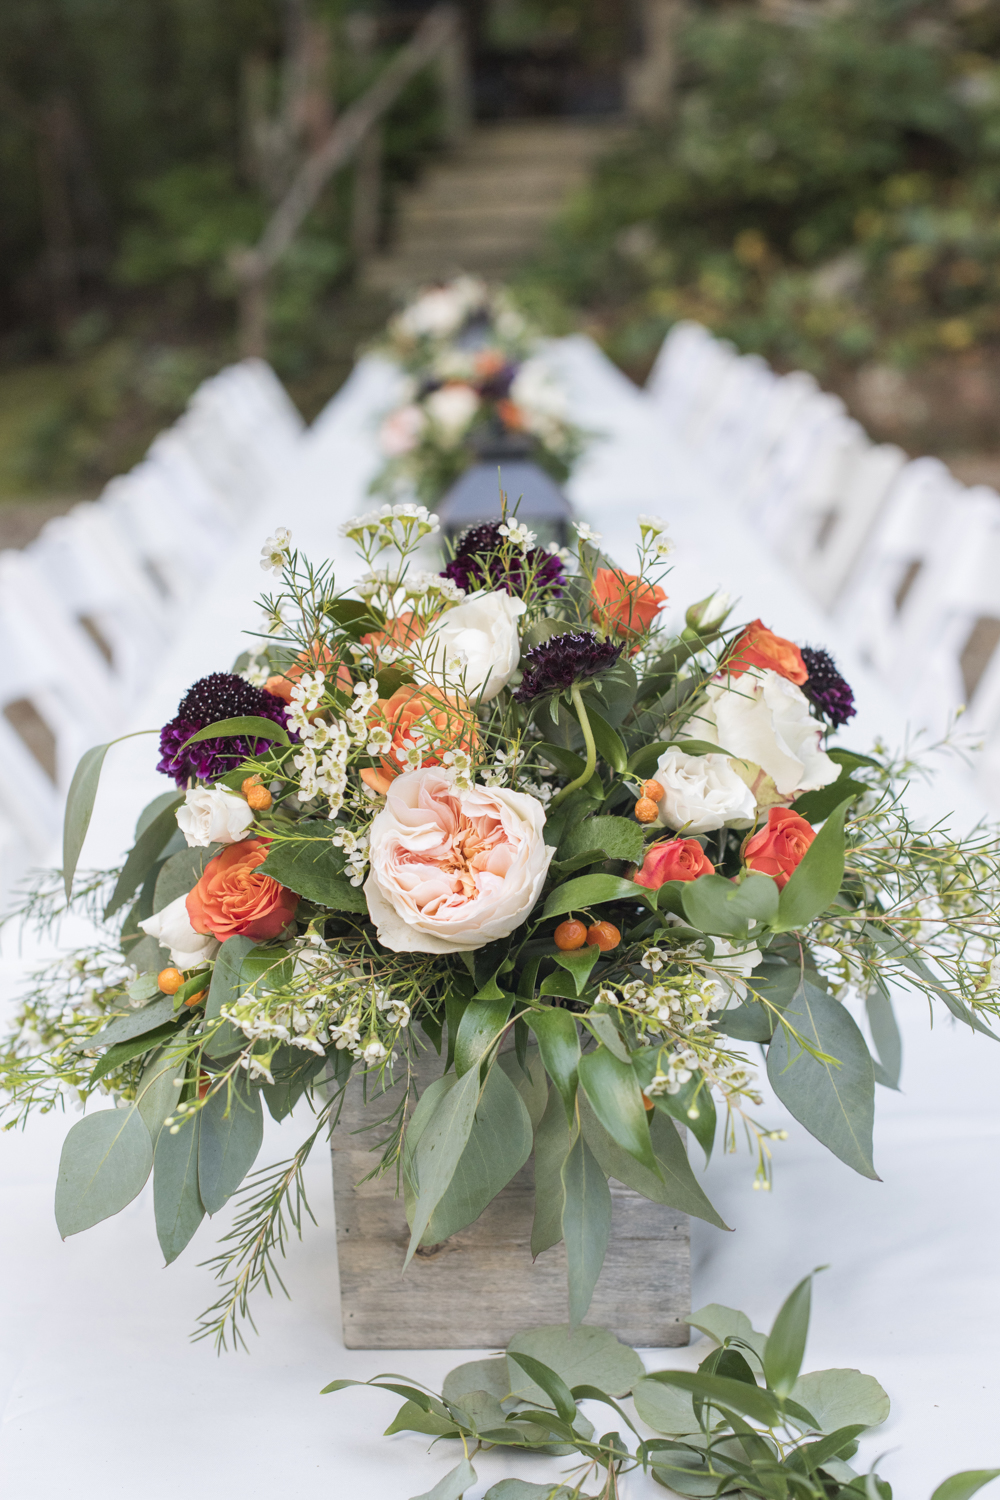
(102, 1392)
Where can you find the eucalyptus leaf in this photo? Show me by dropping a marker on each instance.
(440, 1149)
(482, 1412)
(601, 1023)
(143, 855)
(159, 1089)
(79, 809)
(533, 1087)
(553, 1139)
(721, 1323)
(786, 1343)
(676, 1186)
(498, 1146)
(835, 1101)
(177, 1205)
(962, 1486)
(123, 1052)
(586, 1223)
(613, 1089)
(180, 874)
(885, 1034)
(839, 1397)
(414, 1418)
(580, 1356)
(454, 1484)
(104, 1163)
(521, 1489)
(135, 1023)
(482, 1023)
(232, 1129)
(490, 1375)
(665, 1409)
(559, 1044)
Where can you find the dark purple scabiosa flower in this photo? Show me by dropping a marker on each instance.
(563, 660)
(826, 688)
(478, 564)
(223, 695)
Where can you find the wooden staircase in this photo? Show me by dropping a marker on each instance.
(485, 207)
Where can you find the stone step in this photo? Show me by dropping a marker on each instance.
(485, 207)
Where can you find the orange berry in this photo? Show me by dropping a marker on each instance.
(170, 980)
(648, 1104)
(603, 935)
(570, 935)
(259, 798)
(646, 810)
(653, 790)
(196, 999)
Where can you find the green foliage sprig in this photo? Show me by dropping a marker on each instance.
(747, 1423)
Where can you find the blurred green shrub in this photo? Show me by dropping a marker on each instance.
(828, 193)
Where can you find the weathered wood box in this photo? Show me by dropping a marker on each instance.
(481, 1287)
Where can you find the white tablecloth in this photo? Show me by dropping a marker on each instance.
(103, 1395)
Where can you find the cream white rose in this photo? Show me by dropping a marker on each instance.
(172, 929)
(452, 870)
(212, 815)
(701, 793)
(474, 647)
(451, 409)
(763, 718)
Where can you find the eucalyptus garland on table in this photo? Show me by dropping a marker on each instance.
(502, 815)
(473, 375)
(748, 1422)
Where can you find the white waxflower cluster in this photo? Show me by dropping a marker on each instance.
(505, 762)
(517, 533)
(274, 553)
(655, 537)
(355, 846)
(679, 1007)
(384, 587)
(392, 526)
(322, 757)
(460, 762)
(586, 533)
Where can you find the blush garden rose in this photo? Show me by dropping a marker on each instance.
(452, 870)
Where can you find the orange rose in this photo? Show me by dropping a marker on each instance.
(680, 859)
(399, 633)
(317, 658)
(777, 850)
(233, 899)
(488, 362)
(623, 604)
(760, 647)
(443, 718)
(511, 415)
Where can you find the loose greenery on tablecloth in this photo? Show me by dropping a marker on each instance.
(500, 805)
(747, 1423)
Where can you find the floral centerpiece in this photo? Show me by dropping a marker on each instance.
(501, 815)
(473, 375)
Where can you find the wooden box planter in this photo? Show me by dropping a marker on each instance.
(480, 1287)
